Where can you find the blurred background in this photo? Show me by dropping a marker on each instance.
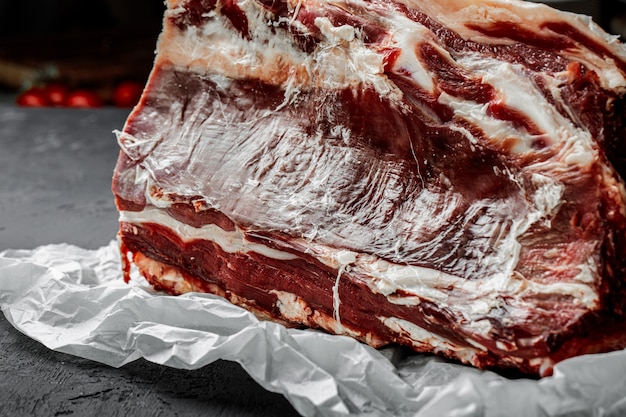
(91, 45)
(97, 45)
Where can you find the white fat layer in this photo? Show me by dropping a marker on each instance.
(231, 242)
(341, 60)
(292, 307)
(467, 354)
(169, 276)
(217, 49)
(533, 16)
(278, 59)
(438, 343)
(543, 364)
(408, 62)
(517, 90)
(485, 294)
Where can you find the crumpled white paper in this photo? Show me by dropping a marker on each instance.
(75, 301)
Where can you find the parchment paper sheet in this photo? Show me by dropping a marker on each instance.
(75, 301)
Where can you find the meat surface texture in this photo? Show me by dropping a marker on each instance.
(446, 175)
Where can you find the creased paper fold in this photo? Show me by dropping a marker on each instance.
(74, 301)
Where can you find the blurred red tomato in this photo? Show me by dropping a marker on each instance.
(127, 94)
(83, 98)
(33, 97)
(56, 93)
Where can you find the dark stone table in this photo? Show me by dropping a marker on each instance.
(56, 167)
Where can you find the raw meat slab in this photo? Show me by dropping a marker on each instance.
(445, 175)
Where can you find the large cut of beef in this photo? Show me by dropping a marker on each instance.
(445, 175)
